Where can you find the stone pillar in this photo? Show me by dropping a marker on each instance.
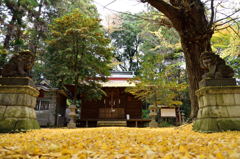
(72, 115)
(219, 109)
(153, 115)
(17, 104)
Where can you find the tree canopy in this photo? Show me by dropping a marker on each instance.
(78, 50)
(127, 40)
(155, 84)
(195, 29)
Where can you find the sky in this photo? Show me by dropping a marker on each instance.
(109, 7)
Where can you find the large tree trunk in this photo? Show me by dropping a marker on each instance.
(188, 18)
(192, 52)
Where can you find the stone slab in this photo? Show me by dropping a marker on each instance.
(10, 99)
(234, 90)
(213, 112)
(19, 112)
(112, 123)
(16, 81)
(217, 82)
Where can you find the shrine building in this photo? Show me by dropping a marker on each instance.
(117, 108)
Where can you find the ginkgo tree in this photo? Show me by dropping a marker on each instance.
(155, 84)
(78, 51)
(226, 42)
(159, 81)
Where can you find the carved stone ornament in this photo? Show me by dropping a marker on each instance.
(20, 65)
(214, 66)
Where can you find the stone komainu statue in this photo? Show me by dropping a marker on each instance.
(20, 65)
(214, 66)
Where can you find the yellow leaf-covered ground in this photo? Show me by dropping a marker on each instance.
(122, 143)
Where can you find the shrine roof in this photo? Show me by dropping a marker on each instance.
(118, 74)
(118, 83)
(119, 79)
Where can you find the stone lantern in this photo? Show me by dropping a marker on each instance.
(152, 115)
(72, 115)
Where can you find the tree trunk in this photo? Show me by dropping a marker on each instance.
(36, 37)
(188, 18)
(192, 52)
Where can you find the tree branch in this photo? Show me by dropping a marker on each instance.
(232, 19)
(227, 16)
(237, 33)
(170, 11)
(212, 14)
(110, 3)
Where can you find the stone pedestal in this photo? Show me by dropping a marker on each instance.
(219, 109)
(17, 104)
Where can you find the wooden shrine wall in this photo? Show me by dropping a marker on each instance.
(115, 105)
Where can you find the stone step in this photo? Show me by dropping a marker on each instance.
(112, 123)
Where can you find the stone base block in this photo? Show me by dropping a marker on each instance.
(71, 125)
(216, 124)
(17, 104)
(17, 125)
(16, 81)
(217, 82)
(219, 109)
(153, 124)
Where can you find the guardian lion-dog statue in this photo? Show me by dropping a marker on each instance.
(214, 66)
(20, 65)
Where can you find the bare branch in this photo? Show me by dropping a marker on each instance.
(163, 21)
(212, 14)
(230, 26)
(222, 28)
(110, 3)
(232, 19)
(237, 33)
(227, 16)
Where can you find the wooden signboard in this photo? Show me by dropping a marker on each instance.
(168, 112)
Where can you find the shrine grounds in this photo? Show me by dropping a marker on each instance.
(120, 143)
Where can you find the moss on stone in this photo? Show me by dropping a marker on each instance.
(229, 124)
(18, 125)
(2, 111)
(17, 112)
(7, 125)
(209, 125)
(26, 124)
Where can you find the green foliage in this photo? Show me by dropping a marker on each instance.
(165, 124)
(226, 43)
(234, 62)
(3, 55)
(126, 39)
(155, 84)
(161, 79)
(145, 114)
(85, 6)
(78, 51)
